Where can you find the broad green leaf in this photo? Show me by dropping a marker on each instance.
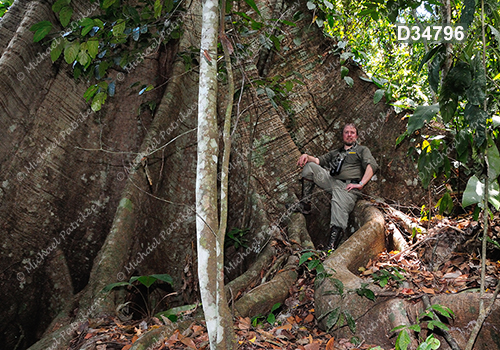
(115, 285)
(344, 71)
(349, 81)
(496, 33)
(71, 52)
(448, 108)
(83, 58)
(86, 29)
(476, 117)
(57, 49)
(311, 5)
(59, 4)
(91, 91)
(275, 307)
(41, 30)
(434, 70)
(328, 4)
(468, 13)
(429, 55)
(65, 15)
(463, 139)
(145, 280)
(403, 340)
(177, 310)
(493, 159)
(332, 319)
(98, 23)
(338, 284)
(443, 310)
(474, 193)
(271, 319)
(496, 121)
(421, 115)
(251, 3)
(313, 264)
(93, 47)
(98, 101)
(305, 257)
(288, 85)
(164, 278)
(350, 321)
(108, 3)
(297, 41)
(119, 27)
(476, 92)
(157, 8)
(378, 95)
(102, 68)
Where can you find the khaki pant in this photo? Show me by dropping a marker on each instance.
(342, 201)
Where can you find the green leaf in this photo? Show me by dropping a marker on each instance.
(311, 5)
(157, 8)
(403, 340)
(177, 310)
(493, 159)
(98, 101)
(429, 55)
(65, 15)
(93, 47)
(98, 23)
(41, 30)
(476, 93)
(164, 278)
(344, 71)
(59, 4)
(468, 13)
(251, 3)
(448, 108)
(434, 70)
(87, 29)
(119, 27)
(108, 3)
(496, 121)
(421, 115)
(332, 319)
(462, 145)
(71, 51)
(91, 91)
(83, 58)
(115, 285)
(474, 192)
(349, 81)
(275, 307)
(378, 96)
(56, 50)
(350, 321)
(476, 117)
(305, 257)
(145, 280)
(443, 310)
(271, 318)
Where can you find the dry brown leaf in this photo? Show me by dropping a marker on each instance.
(312, 346)
(126, 347)
(88, 336)
(134, 338)
(309, 318)
(287, 327)
(189, 342)
(330, 345)
(427, 290)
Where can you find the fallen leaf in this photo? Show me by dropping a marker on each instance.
(407, 291)
(427, 290)
(126, 347)
(312, 346)
(330, 345)
(189, 342)
(309, 318)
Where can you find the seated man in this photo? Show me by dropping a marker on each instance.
(349, 168)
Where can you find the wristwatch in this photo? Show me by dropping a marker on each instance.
(361, 183)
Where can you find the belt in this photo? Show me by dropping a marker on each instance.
(352, 181)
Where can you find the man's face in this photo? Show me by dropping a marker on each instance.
(349, 136)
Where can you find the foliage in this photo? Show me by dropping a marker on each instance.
(236, 237)
(120, 37)
(146, 281)
(4, 6)
(431, 321)
(382, 277)
(271, 317)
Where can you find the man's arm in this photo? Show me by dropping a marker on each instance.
(366, 177)
(305, 158)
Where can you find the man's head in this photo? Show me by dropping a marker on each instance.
(349, 134)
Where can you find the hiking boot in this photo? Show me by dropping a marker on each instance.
(335, 237)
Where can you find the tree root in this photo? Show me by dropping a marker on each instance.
(261, 299)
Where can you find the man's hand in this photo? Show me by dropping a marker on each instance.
(303, 159)
(353, 186)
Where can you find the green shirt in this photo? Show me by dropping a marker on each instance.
(355, 162)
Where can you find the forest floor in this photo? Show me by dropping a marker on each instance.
(444, 260)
